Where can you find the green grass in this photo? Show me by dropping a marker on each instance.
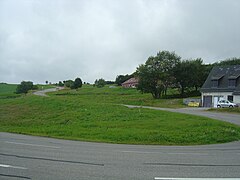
(121, 95)
(228, 110)
(45, 86)
(8, 91)
(92, 114)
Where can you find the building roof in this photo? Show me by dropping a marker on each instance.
(223, 74)
(130, 81)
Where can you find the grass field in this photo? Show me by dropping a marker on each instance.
(93, 114)
(45, 86)
(228, 110)
(8, 90)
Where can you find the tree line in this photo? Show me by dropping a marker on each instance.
(26, 86)
(167, 69)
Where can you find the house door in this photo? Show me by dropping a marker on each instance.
(207, 101)
(215, 101)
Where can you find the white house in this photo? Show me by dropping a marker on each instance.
(222, 83)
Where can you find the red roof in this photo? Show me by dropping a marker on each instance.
(131, 81)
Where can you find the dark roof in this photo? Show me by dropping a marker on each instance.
(223, 74)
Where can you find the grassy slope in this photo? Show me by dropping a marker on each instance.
(228, 110)
(93, 114)
(8, 90)
(121, 95)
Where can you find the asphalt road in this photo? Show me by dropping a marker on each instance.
(43, 92)
(29, 157)
(228, 117)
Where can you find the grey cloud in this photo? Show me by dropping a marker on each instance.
(62, 39)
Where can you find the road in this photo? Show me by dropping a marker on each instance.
(29, 157)
(43, 92)
(228, 117)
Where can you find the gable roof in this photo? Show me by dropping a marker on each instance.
(223, 74)
(130, 81)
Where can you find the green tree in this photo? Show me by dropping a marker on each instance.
(24, 87)
(227, 62)
(157, 73)
(122, 78)
(60, 84)
(100, 83)
(69, 83)
(77, 84)
(183, 73)
(190, 74)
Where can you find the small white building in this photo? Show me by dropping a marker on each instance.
(222, 83)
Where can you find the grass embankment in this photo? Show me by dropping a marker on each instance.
(226, 110)
(93, 114)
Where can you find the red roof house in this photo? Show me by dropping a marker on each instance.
(131, 83)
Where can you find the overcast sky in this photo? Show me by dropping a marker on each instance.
(63, 39)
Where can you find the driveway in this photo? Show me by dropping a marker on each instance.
(228, 117)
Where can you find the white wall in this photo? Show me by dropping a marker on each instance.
(224, 95)
(236, 99)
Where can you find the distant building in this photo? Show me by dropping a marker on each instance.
(222, 83)
(131, 83)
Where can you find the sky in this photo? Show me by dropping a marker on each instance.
(57, 40)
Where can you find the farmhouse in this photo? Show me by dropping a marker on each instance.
(222, 83)
(131, 83)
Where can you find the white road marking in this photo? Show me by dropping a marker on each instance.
(9, 166)
(160, 178)
(36, 145)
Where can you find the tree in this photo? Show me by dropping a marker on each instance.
(46, 82)
(77, 84)
(157, 73)
(191, 74)
(230, 61)
(24, 87)
(109, 82)
(68, 83)
(60, 84)
(183, 73)
(100, 83)
(122, 78)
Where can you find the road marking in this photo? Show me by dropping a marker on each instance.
(36, 145)
(9, 166)
(160, 178)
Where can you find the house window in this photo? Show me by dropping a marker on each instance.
(214, 83)
(232, 83)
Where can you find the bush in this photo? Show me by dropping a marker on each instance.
(24, 87)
